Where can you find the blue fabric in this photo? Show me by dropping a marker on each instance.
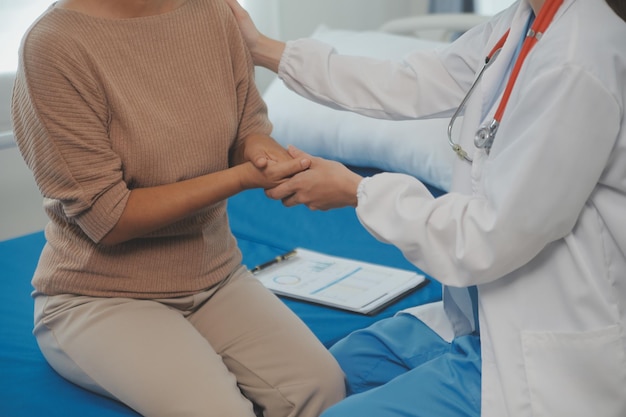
(263, 228)
(28, 385)
(399, 367)
(473, 292)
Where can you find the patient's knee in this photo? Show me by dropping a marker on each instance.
(333, 387)
(322, 387)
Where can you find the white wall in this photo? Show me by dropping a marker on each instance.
(491, 7)
(299, 18)
(15, 17)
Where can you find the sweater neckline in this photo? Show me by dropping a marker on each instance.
(158, 16)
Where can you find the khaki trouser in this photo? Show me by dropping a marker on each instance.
(211, 354)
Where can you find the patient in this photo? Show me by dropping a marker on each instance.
(139, 119)
(529, 243)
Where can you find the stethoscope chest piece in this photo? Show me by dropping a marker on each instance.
(487, 132)
(485, 135)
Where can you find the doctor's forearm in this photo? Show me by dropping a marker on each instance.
(267, 53)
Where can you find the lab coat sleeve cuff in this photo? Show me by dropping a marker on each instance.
(434, 316)
(377, 195)
(360, 193)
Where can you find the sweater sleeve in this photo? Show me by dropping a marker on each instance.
(253, 118)
(60, 120)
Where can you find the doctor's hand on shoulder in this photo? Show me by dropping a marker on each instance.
(265, 51)
(325, 185)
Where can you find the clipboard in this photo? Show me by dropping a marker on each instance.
(337, 282)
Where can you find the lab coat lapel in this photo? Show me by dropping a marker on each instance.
(495, 77)
(457, 304)
(457, 301)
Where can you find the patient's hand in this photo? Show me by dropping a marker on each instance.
(325, 185)
(260, 149)
(271, 175)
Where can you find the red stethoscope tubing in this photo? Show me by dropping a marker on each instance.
(536, 31)
(486, 133)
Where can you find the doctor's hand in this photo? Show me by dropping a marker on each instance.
(265, 51)
(246, 26)
(325, 185)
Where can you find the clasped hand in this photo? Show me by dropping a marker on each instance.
(324, 185)
(295, 177)
(263, 163)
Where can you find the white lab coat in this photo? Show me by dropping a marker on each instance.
(539, 224)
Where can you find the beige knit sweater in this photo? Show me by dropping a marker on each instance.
(103, 106)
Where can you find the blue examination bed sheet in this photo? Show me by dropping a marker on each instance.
(264, 229)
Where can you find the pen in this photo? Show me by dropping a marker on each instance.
(274, 261)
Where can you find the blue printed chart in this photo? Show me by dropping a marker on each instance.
(338, 282)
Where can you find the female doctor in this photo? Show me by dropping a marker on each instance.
(534, 220)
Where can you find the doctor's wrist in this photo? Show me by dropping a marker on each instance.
(267, 53)
(360, 190)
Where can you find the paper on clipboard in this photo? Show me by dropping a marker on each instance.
(338, 282)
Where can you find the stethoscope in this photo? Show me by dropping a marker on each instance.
(486, 133)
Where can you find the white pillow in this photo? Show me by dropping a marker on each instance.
(416, 147)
